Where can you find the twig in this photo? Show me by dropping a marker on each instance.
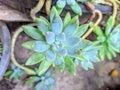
(96, 23)
(48, 6)
(37, 8)
(14, 38)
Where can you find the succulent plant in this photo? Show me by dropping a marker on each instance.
(57, 43)
(45, 82)
(15, 73)
(109, 40)
(72, 3)
(87, 54)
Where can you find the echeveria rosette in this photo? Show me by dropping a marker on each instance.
(109, 41)
(46, 81)
(51, 40)
(55, 42)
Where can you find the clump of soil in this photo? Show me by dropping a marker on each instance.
(6, 85)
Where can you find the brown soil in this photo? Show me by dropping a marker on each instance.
(6, 85)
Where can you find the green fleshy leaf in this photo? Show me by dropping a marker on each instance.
(33, 32)
(72, 41)
(115, 34)
(72, 27)
(113, 53)
(83, 43)
(81, 30)
(60, 5)
(71, 2)
(62, 51)
(38, 46)
(35, 59)
(91, 56)
(86, 65)
(108, 54)
(109, 25)
(91, 48)
(59, 10)
(80, 58)
(102, 54)
(50, 37)
(48, 74)
(50, 55)
(59, 63)
(61, 37)
(76, 62)
(49, 82)
(114, 48)
(74, 20)
(43, 25)
(57, 25)
(70, 30)
(101, 38)
(53, 14)
(44, 66)
(98, 31)
(69, 64)
(76, 9)
(8, 72)
(71, 51)
(116, 30)
(67, 19)
(31, 80)
(94, 58)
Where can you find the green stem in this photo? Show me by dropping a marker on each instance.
(14, 38)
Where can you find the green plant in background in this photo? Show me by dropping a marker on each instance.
(45, 82)
(15, 73)
(72, 3)
(87, 54)
(109, 40)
